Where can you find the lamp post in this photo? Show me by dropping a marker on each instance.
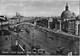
(17, 40)
(60, 20)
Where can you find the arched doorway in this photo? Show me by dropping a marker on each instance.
(79, 29)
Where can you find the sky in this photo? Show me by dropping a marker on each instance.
(37, 7)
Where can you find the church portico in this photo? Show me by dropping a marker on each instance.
(77, 27)
(60, 21)
(77, 23)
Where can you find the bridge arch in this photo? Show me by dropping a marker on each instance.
(25, 25)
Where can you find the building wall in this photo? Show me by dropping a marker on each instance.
(13, 21)
(43, 23)
(57, 26)
(5, 43)
(23, 19)
(4, 23)
(71, 27)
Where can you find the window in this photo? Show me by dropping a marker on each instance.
(6, 38)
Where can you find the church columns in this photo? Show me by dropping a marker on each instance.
(49, 21)
(60, 25)
(77, 27)
(48, 25)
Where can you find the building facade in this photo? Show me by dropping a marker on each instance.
(5, 41)
(77, 27)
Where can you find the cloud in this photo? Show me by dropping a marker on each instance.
(15, 4)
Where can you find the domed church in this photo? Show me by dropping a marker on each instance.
(69, 22)
(67, 14)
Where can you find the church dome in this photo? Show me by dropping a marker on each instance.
(66, 14)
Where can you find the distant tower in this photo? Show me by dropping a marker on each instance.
(17, 14)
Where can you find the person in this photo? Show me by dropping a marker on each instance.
(24, 47)
(58, 50)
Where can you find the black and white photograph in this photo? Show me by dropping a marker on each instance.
(40, 27)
